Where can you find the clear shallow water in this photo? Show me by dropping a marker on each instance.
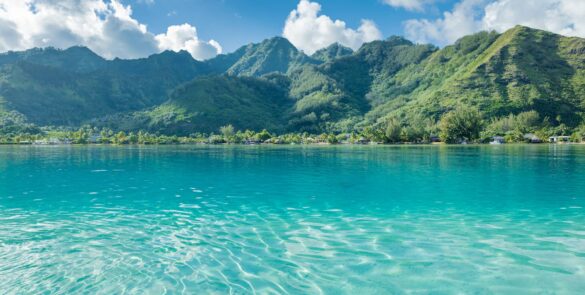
(296, 220)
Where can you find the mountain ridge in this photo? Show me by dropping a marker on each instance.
(336, 89)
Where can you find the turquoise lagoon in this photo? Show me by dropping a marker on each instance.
(292, 220)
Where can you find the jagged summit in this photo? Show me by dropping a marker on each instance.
(332, 52)
(271, 55)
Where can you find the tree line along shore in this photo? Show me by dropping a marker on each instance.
(460, 126)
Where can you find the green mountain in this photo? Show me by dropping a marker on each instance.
(275, 86)
(332, 52)
(521, 70)
(51, 87)
(76, 59)
(337, 94)
(273, 55)
(207, 103)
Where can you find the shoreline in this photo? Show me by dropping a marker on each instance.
(291, 144)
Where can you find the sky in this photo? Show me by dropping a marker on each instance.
(205, 28)
(238, 22)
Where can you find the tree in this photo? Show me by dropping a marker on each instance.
(527, 122)
(132, 138)
(227, 132)
(374, 134)
(393, 130)
(462, 124)
(80, 136)
(419, 128)
(263, 135)
(104, 136)
(579, 134)
(120, 138)
(216, 139)
(332, 139)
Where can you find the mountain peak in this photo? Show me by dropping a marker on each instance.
(522, 28)
(76, 58)
(523, 32)
(278, 40)
(277, 43)
(332, 52)
(181, 54)
(390, 42)
(276, 54)
(398, 40)
(81, 50)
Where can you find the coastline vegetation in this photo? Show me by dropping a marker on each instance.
(461, 125)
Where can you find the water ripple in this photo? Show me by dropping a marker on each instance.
(231, 232)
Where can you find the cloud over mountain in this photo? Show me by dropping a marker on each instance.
(309, 31)
(184, 37)
(565, 17)
(106, 27)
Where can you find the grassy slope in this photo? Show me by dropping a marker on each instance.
(48, 93)
(522, 69)
(335, 95)
(418, 81)
(332, 52)
(207, 103)
(272, 55)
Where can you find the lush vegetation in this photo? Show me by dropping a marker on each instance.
(207, 103)
(331, 53)
(521, 85)
(74, 90)
(464, 124)
(272, 55)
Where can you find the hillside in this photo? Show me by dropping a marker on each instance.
(76, 59)
(273, 85)
(55, 91)
(521, 70)
(272, 55)
(207, 103)
(334, 51)
(336, 95)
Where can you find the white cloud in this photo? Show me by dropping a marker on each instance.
(413, 5)
(105, 26)
(462, 20)
(565, 17)
(309, 31)
(184, 37)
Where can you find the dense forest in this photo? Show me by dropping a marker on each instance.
(521, 85)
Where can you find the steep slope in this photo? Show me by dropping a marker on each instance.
(523, 69)
(47, 91)
(418, 80)
(272, 55)
(333, 51)
(335, 95)
(207, 103)
(223, 62)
